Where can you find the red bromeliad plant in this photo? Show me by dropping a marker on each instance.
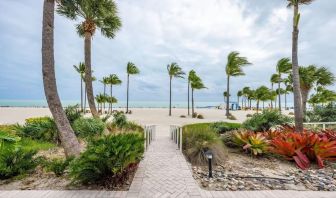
(303, 147)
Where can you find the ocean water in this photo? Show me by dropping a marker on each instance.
(134, 104)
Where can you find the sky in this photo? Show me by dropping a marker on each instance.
(197, 34)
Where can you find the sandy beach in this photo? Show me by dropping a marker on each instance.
(12, 115)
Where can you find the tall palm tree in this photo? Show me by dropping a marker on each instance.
(195, 84)
(104, 81)
(174, 71)
(239, 94)
(283, 66)
(298, 108)
(261, 94)
(313, 76)
(131, 70)
(100, 98)
(95, 14)
(113, 79)
(191, 76)
(81, 70)
(85, 95)
(234, 67)
(66, 134)
(275, 78)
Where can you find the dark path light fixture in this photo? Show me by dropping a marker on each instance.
(208, 154)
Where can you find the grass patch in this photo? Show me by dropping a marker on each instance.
(29, 144)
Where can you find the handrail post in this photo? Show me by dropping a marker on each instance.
(181, 140)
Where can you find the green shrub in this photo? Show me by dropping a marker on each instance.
(200, 116)
(120, 119)
(73, 113)
(249, 115)
(322, 114)
(88, 127)
(41, 128)
(228, 139)
(108, 160)
(222, 127)
(199, 138)
(194, 115)
(183, 116)
(266, 120)
(105, 118)
(7, 140)
(58, 166)
(16, 161)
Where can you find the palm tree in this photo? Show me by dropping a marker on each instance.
(246, 91)
(95, 14)
(261, 94)
(105, 82)
(234, 67)
(283, 67)
(225, 94)
(298, 111)
(196, 84)
(81, 70)
(239, 94)
(275, 78)
(313, 76)
(174, 71)
(113, 79)
(131, 70)
(66, 134)
(100, 98)
(111, 100)
(191, 76)
(85, 95)
(288, 89)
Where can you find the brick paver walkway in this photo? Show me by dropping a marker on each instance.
(164, 172)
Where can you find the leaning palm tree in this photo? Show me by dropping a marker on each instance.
(66, 134)
(131, 70)
(113, 79)
(234, 67)
(95, 14)
(174, 71)
(283, 66)
(313, 76)
(239, 94)
(104, 81)
(195, 84)
(275, 78)
(191, 76)
(288, 89)
(81, 71)
(298, 108)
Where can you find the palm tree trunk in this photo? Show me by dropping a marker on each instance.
(66, 134)
(192, 102)
(188, 98)
(304, 94)
(104, 95)
(127, 93)
(111, 98)
(279, 93)
(88, 75)
(84, 98)
(285, 101)
(272, 100)
(238, 101)
(170, 95)
(257, 106)
(228, 96)
(296, 78)
(81, 94)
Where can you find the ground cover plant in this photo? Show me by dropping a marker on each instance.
(88, 127)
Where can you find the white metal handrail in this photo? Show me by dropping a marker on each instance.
(320, 123)
(149, 134)
(176, 135)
